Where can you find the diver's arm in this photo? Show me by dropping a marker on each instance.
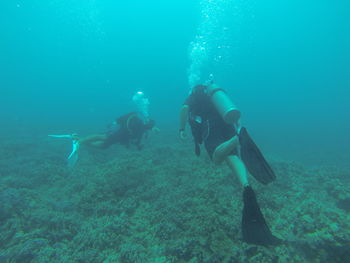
(183, 120)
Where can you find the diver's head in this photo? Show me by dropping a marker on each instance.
(199, 88)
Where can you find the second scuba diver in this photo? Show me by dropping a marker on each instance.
(126, 130)
(215, 121)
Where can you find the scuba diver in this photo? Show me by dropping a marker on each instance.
(126, 130)
(215, 121)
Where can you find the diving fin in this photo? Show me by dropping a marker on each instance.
(254, 227)
(254, 160)
(73, 156)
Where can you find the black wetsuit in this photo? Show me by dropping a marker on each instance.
(206, 123)
(131, 129)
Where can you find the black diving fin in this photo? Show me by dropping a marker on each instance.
(254, 160)
(254, 227)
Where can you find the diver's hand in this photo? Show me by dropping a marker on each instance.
(182, 134)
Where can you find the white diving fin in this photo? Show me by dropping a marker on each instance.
(73, 156)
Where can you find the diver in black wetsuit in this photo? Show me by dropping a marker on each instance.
(225, 141)
(126, 130)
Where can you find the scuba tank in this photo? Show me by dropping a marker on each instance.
(226, 108)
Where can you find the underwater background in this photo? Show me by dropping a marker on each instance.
(73, 66)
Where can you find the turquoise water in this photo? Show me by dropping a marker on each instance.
(73, 66)
(68, 64)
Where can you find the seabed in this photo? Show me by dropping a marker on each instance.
(161, 204)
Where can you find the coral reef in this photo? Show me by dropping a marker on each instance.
(161, 205)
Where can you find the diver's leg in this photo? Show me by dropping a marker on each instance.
(94, 140)
(238, 168)
(99, 144)
(254, 227)
(225, 149)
